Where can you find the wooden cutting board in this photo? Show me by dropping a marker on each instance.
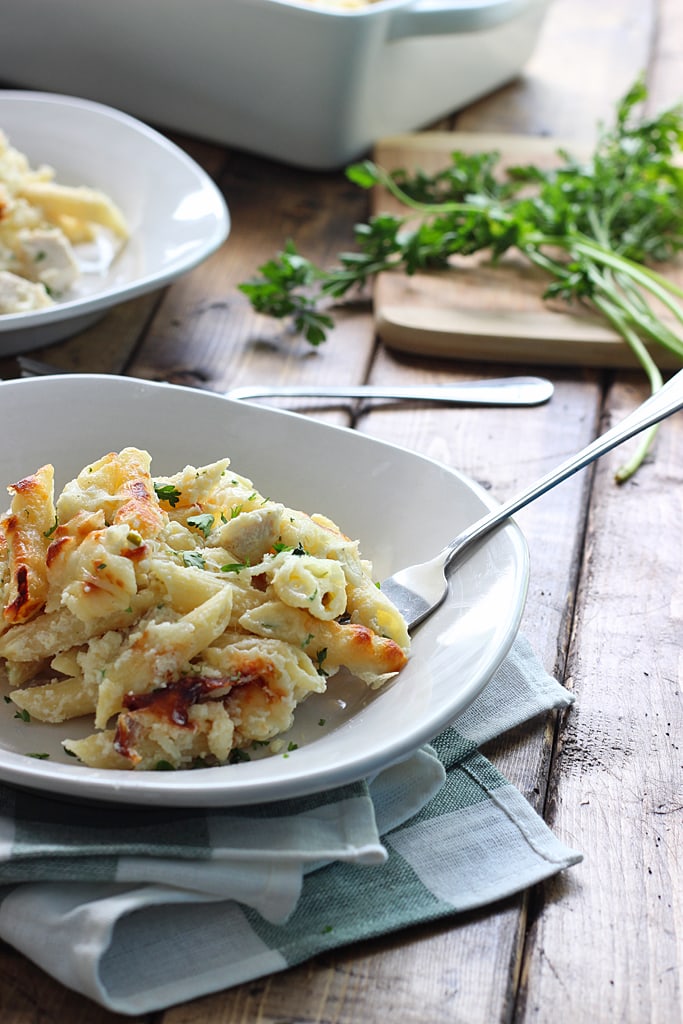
(479, 311)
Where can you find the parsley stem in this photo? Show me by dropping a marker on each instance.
(382, 177)
(615, 316)
(633, 306)
(649, 279)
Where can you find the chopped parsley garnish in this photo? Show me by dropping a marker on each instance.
(167, 493)
(320, 657)
(194, 558)
(234, 566)
(204, 522)
(298, 550)
(48, 533)
(238, 755)
(39, 757)
(23, 715)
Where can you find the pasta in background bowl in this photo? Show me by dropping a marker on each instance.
(403, 508)
(174, 214)
(51, 234)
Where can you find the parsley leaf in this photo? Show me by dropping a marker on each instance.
(168, 493)
(194, 558)
(48, 533)
(203, 522)
(276, 293)
(237, 755)
(298, 550)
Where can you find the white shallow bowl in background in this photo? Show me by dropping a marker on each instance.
(401, 506)
(176, 214)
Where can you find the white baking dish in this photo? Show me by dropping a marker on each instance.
(311, 85)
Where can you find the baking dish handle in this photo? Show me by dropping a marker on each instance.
(442, 17)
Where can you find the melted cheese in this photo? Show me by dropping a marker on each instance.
(188, 614)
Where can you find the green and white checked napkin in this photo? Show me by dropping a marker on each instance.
(139, 909)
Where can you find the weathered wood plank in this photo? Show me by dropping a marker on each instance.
(608, 940)
(27, 996)
(587, 57)
(205, 330)
(664, 77)
(106, 347)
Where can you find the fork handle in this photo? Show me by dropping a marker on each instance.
(504, 391)
(665, 401)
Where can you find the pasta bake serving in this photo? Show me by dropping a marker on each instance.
(42, 224)
(188, 614)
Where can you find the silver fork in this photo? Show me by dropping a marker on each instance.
(419, 590)
(501, 391)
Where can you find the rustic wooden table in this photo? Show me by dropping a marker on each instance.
(603, 942)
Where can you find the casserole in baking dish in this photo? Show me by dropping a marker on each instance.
(309, 82)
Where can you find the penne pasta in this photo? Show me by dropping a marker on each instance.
(187, 616)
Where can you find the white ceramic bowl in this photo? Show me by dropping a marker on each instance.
(308, 84)
(176, 214)
(401, 506)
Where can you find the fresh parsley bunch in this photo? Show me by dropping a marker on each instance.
(597, 229)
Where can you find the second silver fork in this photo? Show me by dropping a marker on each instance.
(497, 391)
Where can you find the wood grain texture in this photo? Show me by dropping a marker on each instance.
(27, 996)
(587, 56)
(608, 940)
(206, 331)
